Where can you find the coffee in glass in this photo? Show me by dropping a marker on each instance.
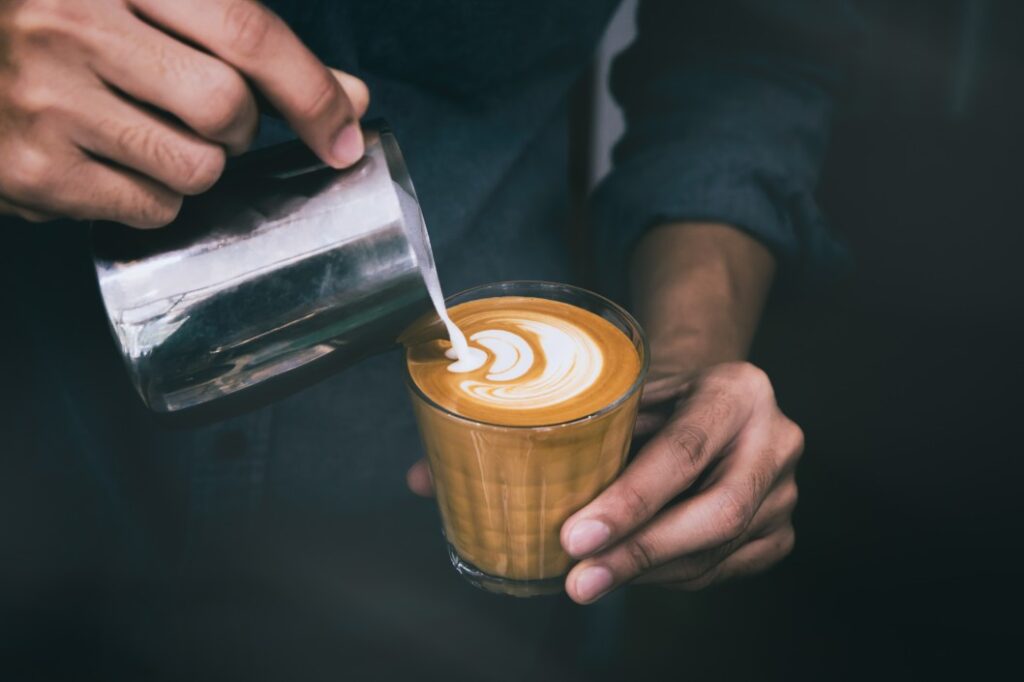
(526, 429)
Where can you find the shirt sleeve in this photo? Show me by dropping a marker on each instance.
(727, 108)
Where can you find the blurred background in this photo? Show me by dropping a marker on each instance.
(908, 383)
(906, 380)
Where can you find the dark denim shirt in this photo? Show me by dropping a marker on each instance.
(301, 508)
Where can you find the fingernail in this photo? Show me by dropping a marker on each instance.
(348, 147)
(586, 536)
(592, 582)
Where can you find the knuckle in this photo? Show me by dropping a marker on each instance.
(228, 97)
(202, 170)
(191, 172)
(741, 377)
(246, 27)
(45, 20)
(324, 97)
(641, 553)
(29, 174)
(734, 380)
(632, 504)
(733, 512)
(218, 120)
(31, 97)
(688, 446)
(762, 478)
(359, 95)
(754, 379)
(37, 16)
(152, 212)
(132, 138)
(225, 111)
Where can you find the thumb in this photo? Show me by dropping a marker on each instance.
(419, 480)
(358, 93)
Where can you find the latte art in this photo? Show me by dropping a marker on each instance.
(570, 359)
(528, 361)
(513, 356)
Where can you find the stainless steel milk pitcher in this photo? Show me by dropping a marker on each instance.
(285, 267)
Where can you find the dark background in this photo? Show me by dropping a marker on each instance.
(907, 383)
(905, 380)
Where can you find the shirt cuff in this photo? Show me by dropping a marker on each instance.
(674, 185)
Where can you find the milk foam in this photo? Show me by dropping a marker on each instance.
(571, 363)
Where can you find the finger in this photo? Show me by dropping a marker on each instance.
(356, 90)
(755, 557)
(92, 190)
(419, 480)
(260, 45)
(670, 462)
(111, 128)
(123, 196)
(776, 512)
(660, 389)
(673, 546)
(11, 208)
(202, 91)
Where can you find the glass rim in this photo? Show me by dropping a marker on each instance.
(630, 321)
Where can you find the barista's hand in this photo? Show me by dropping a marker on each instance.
(115, 109)
(708, 498)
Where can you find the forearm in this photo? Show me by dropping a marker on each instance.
(699, 290)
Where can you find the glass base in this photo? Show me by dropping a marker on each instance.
(493, 583)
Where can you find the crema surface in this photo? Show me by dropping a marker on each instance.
(534, 361)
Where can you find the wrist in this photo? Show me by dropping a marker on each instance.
(698, 289)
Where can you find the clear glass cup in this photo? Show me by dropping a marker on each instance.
(505, 491)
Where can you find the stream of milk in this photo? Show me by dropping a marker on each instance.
(466, 357)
